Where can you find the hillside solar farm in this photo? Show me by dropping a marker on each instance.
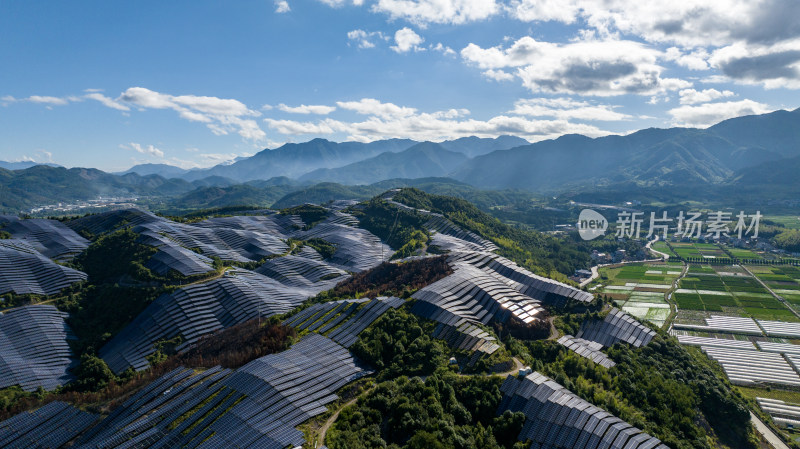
(302, 327)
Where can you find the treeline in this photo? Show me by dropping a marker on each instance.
(390, 279)
(399, 343)
(395, 226)
(443, 411)
(310, 214)
(541, 253)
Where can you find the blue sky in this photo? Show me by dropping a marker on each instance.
(113, 84)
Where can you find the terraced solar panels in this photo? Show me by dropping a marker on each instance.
(615, 327)
(546, 291)
(557, 418)
(33, 348)
(23, 270)
(112, 220)
(199, 309)
(472, 294)
(587, 349)
(356, 249)
(302, 272)
(50, 237)
(347, 318)
(257, 406)
(50, 426)
(180, 259)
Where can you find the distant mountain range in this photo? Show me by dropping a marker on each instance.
(753, 152)
(23, 165)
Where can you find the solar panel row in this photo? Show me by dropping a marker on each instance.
(51, 426)
(199, 309)
(33, 348)
(347, 318)
(557, 418)
(50, 237)
(587, 349)
(23, 270)
(257, 406)
(615, 327)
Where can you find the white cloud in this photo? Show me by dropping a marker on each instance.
(589, 67)
(567, 109)
(406, 40)
(222, 116)
(696, 60)
(498, 75)
(106, 101)
(708, 114)
(307, 109)
(691, 96)
(149, 149)
(687, 23)
(443, 49)
(421, 12)
(371, 106)
(386, 120)
(282, 6)
(55, 101)
(365, 39)
(772, 66)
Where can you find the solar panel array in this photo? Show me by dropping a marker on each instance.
(33, 348)
(557, 418)
(540, 288)
(257, 406)
(615, 327)
(109, 221)
(198, 309)
(467, 336)
(50, 237)
(23, 270)
(475, 295)
(51, 426)
(303, 272)
(356, 249)
(343, 320)
(180, 259)
(587, 349)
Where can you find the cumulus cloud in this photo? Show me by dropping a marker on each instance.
(371, 106)
(387, 120)
(772, 66)
(443, 49)
(307, 109)
(222, 116)
(406, 40)
(422, 12)
(688, 23)
(589, 67)
(691, 96)
(705, 115)
(282, 6)
(567, 109)
(148, 150)
(695, 60)
(365, 39)
(498, 75)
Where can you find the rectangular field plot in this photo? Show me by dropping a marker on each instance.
(639, 289)
(729, 289)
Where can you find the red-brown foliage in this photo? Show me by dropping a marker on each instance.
(393, 279)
